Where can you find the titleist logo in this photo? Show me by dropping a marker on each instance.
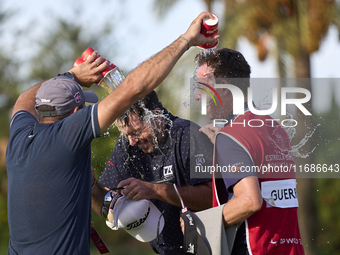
(139, 222)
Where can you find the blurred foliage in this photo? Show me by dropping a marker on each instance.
(256, 20)
(299, 24)
(328, 190)
(296, 29)
(61, 47)
(161, 7)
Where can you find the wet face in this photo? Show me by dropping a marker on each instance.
(205, 76)
(139, 134)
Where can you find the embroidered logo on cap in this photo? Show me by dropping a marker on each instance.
(139, 222)
(77, 97)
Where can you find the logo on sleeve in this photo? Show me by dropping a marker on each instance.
(200, 160)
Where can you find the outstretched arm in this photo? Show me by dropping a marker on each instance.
(150, 74)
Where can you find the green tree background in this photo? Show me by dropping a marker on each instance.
(307, 21)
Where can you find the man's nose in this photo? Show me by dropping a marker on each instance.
(198, 94)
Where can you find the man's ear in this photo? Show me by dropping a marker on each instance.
(225, 91)
(74, 110)
(158, 112)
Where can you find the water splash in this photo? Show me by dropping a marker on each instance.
(112, 79)
(186, 99)
(205, 53)
(156, 120)
(294, 151)
(295, 148)
(160, 125)
(264, 102)
(107, 133)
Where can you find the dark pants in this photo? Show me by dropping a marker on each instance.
(240, 249)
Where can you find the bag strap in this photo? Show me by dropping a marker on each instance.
(193, 243)
(190, 233)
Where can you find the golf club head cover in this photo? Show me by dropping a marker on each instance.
(193, 243)
(190, 233)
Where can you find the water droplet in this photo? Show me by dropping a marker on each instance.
(158, 123)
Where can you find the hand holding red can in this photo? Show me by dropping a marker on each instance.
(112, 76)
(209, 27)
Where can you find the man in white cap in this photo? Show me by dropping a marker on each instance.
(49, 161)
(153, 149)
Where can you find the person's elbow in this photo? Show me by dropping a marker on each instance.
(249, 192)
(253, 204)
(257, 204)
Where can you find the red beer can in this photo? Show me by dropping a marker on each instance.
(87, 53)
(78, 62)
(209, 27)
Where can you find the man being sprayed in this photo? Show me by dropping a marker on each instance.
(49, 161)
(269, 226)
(156, 147)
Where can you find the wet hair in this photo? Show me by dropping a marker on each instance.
(227, 63)
(141, 108)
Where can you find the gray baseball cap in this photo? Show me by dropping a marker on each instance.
(64, 94)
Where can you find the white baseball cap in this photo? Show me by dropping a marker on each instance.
(138, 218)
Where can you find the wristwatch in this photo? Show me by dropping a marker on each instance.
(67, 74)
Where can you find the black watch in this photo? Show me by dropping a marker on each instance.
(67, 74)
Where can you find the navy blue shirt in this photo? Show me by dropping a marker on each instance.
(49, 180)
(171, 161)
